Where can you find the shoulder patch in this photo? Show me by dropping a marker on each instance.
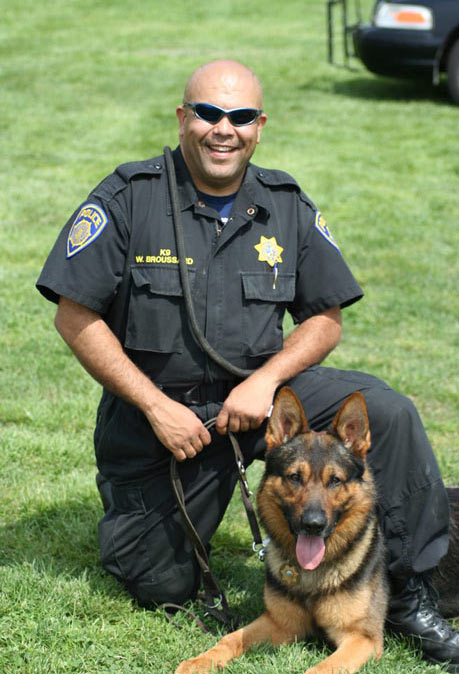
(89, 223)
(323, 229)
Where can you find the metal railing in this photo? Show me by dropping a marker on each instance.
(347, 25)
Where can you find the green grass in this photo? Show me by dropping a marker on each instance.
(88, 85)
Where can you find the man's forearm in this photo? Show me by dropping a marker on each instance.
(308, 344)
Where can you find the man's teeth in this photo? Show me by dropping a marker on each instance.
(220, 148)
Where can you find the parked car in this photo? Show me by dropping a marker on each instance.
(420, 39)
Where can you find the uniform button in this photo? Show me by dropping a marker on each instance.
(251, 211)
(261, 174)
(201, 204)
(158, 166)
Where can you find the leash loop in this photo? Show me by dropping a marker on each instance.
(169, 607)
(216, 604)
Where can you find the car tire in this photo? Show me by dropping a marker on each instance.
(453, 72)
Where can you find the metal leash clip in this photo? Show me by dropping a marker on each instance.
(260, 549)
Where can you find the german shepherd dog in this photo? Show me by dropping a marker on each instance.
(325, 559)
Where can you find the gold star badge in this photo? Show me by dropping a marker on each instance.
(269, 250)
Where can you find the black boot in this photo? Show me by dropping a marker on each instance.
(413, 611)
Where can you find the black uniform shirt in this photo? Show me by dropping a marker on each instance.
(275, 253)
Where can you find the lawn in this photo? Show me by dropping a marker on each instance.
(87, 85)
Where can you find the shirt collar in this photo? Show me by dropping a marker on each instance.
(250, 194)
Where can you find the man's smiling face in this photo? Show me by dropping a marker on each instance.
(217, 155)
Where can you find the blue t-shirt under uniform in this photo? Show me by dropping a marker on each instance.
(222, 205)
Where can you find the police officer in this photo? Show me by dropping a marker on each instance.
(256, 246)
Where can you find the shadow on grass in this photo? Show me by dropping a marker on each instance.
(383, 89)
(61, 541)
(386, 89)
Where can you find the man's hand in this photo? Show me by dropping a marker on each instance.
(178, 428)
(248, 403)
(247, 406)
(100, 352)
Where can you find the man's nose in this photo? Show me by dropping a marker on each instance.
(224, 127)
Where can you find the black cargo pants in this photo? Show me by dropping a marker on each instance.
(142, 540)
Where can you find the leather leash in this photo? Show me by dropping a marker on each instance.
(214, 597)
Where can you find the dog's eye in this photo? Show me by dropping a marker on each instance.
(294, 477)
(334, 481)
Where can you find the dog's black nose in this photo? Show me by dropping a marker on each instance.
(314, 522)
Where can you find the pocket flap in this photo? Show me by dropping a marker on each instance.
(160, 280)
(259, 286)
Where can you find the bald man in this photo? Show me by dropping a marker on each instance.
(256, 246)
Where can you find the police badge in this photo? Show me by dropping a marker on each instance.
(88, 224)
(269, 250)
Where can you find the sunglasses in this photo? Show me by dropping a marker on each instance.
(212, 114)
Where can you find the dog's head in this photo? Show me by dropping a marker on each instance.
(313, 480)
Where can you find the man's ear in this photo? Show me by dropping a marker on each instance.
(287, 419)
(261, 121)
(180, 113)
(352, 426)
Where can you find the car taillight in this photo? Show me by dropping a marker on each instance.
(414, 17)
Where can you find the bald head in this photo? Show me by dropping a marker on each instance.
(217, 152)
(223, 77)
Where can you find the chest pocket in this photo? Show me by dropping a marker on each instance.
(156, 315)
(264, 308)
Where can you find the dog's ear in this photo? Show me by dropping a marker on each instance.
(352, 426)
(287, 419)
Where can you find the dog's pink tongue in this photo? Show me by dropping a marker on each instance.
(309, 551)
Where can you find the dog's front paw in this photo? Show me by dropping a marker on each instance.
(319, 669)
(199, 665)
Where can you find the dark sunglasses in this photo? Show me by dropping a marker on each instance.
(212, 114)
